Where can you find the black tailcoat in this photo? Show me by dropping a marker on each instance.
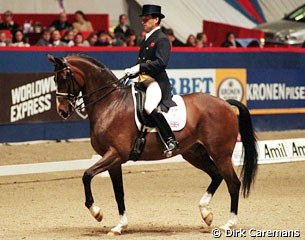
(153, 59)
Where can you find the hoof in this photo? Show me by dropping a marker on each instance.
(118, 230)
(96, 213)
(207, 216)
(227, 227)
(209, 219)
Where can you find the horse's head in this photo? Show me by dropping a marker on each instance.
(68, 87)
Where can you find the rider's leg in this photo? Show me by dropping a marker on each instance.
(153, 97)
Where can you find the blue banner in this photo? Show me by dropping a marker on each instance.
(275, 89)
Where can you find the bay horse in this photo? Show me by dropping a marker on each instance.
(206, 142)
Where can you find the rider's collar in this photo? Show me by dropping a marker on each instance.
(147, 35)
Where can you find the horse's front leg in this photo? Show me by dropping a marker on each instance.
(117, 183)
(109, 160)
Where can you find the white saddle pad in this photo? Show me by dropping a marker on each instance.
(176, 116)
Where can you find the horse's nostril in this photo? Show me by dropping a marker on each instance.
(63, 114)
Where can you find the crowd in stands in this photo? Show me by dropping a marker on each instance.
(81, 33)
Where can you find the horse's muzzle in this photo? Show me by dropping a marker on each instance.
(64, 109)
(63, 114)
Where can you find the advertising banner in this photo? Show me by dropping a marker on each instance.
(276, 91)
(274, 151)
(223, 83)
(28, 97)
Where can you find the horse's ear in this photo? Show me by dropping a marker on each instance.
(55, 60)
(51, 58)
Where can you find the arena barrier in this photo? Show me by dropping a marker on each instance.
(269, 81)
(271, 151)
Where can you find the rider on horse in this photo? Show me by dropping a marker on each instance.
(153, 58)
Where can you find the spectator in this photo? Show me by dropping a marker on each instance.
(172, 38)
(202, 40)
(44, 39)
(19, 40)
(103, 39)
(254, 44)
(3, 39)
(230, 41)
(92, 39)
(61, 24)
(56, 39)
(119, 40)
(8, 23)
(141, 38)
(79, 41)
(131, 38)
(122, 27)
(191, 41)
(82, 24)
(68, 38)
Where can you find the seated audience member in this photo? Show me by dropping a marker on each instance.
(202, 40)
(254, 44)
(56, 39)
(122, 27)
(4, 41)
(61, 23)
(172, 38)
(141, 38)
(92, 39)
(131, 38)
(19, 40)
(191, 41)
(68, 38)
(79, 41)
(44, 39)
(8, 23)
(119, 40)
(230, 41)
(81, 23)
(103, 39)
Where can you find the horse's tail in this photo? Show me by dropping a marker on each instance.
(248, 138)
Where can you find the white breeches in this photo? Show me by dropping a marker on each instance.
(153, 97)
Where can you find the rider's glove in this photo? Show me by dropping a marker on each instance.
(133, 70)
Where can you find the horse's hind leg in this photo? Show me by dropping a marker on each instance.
(198, 157)
(227, 171)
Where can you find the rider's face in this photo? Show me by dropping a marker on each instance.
(149, 23)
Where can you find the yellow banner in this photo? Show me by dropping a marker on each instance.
(231, 84)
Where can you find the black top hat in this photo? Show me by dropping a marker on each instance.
(152, 10)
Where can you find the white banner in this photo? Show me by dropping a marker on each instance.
(275, 151)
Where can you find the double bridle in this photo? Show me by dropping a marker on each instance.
(71, 81)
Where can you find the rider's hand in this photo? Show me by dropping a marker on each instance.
(133, 70)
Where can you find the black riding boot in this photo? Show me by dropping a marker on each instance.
(165, 132)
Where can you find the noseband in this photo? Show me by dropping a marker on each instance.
(71, 81)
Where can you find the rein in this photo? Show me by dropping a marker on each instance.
(72, 99)
(120, 80)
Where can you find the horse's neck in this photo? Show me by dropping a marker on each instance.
(105, 99)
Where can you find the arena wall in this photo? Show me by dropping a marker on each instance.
(270, 81)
